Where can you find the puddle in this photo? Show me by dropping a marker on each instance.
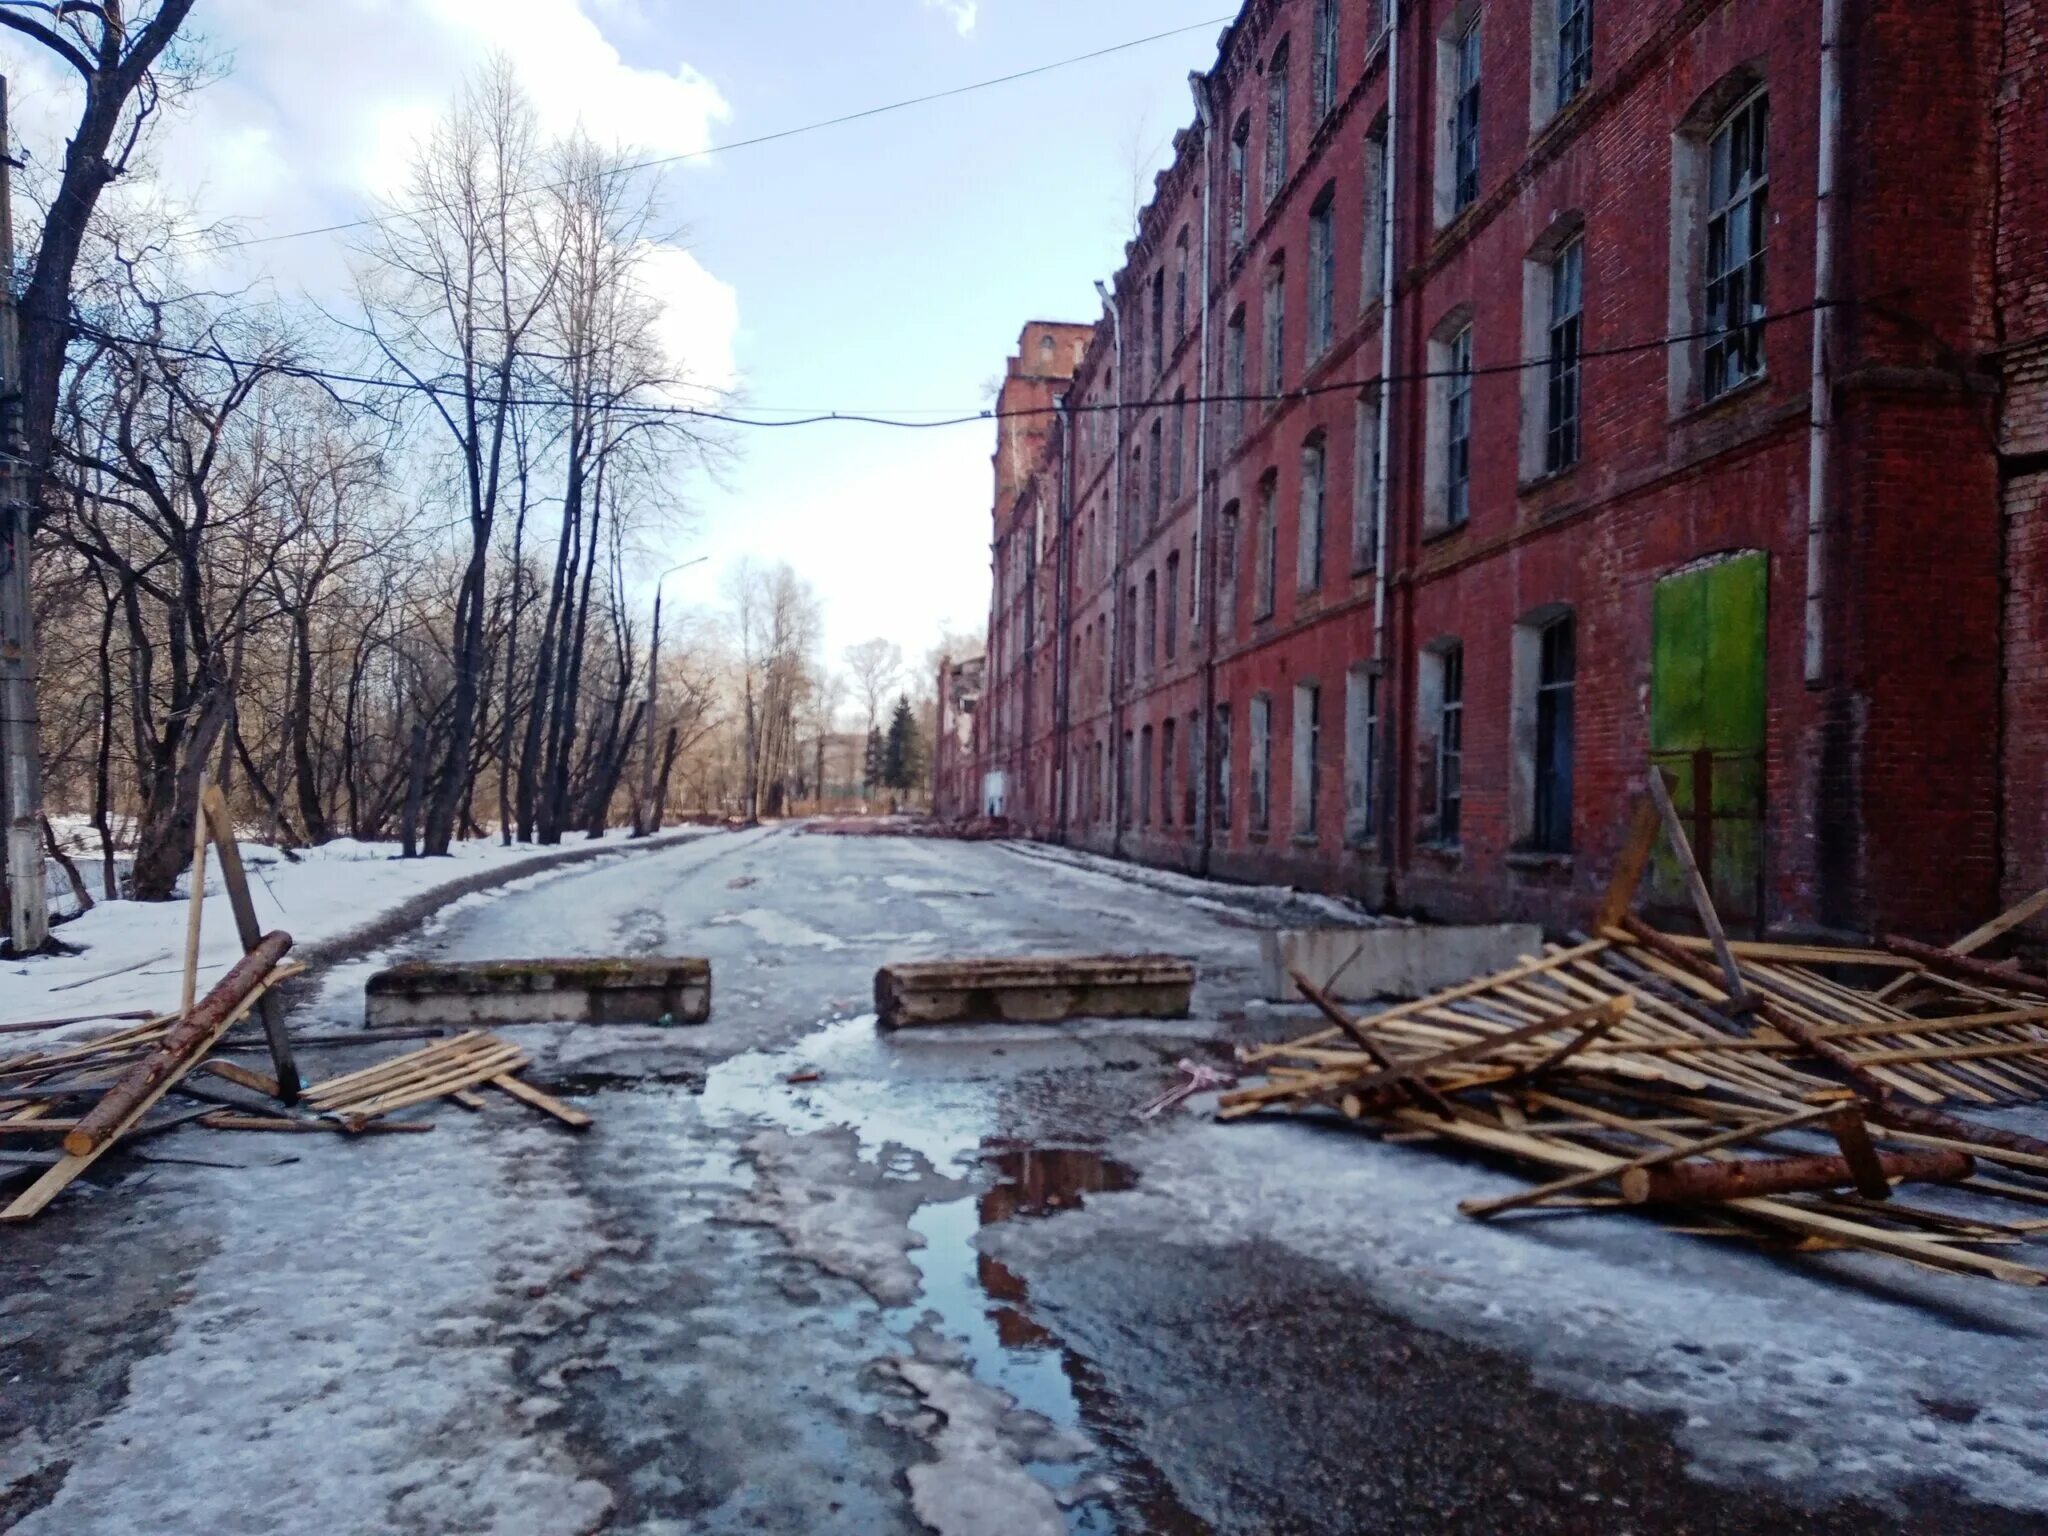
(911, 1121)
(983, 1306)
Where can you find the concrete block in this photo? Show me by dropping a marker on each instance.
(485, 992)
(1391, 962)
(1038, 991)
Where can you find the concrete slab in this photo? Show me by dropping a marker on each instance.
(1389, 962)
(484, 992)
(1036, 991)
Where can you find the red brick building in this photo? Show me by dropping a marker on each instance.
(1501, 395)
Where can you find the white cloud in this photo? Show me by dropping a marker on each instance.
(964, 13)
(699, 323)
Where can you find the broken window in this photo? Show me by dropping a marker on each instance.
(1153, 482)
(1561, 384)
(1458, 430)
(1574, 48)
(1365, 503)
(1234, 375)
(1145, 777)
(1261, 759)
(1223, 766)
(1308, 559)
(1172, 604)
(1465, 120)
(1276, 327)
(1180, 287)
(1276, 121)
(1177, 474)
(1266, 556)
(1226, 571)
(1151, 620)
(1361, 751)
(1308, 741)
(1191, 769)
(1238, 191)
(1738, 183)
(1450, 744)
(1373, 266)
(1158, 322)
(1557, 670)
(1322, 274)
(1326, 58)
(1167, 760)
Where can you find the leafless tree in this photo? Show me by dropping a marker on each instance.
(875, 667)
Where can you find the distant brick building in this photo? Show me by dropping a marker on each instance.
(956, 761)
(1493, 402)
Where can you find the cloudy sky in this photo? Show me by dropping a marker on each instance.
(883, 264)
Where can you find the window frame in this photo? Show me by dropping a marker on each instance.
(1450, 748)
(1278, 84)
(1306, 732)
(1735, 275)
(1564, 357)
(1555, 710)
(1312, 522)
(1458, 430)
(1328, 56)
(1465, 115)
(1322, 275)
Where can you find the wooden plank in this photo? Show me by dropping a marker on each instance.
(51, 1184)
(213, 810)
(1803, 954)
(1963, 968)
(2001, 925)
(1473, 988)
(339, 1086)
(526, 1093)
(27, 1026)
(1873, 1179)
(1327, 1006)
(243, 1077)
(1702, 898)
(1630, 867)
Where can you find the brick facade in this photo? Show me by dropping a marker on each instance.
(1147, 616)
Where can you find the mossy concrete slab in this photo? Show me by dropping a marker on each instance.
(563, 991)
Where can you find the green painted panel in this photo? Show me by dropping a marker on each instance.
(1708, 696)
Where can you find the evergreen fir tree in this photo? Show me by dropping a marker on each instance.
(904, 752)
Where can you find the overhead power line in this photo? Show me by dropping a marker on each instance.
(371, 221)
(664, 410)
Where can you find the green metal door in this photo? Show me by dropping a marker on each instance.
(1707, 698)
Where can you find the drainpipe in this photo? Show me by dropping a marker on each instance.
(1119, 766)
(1063, 662)
(1204, 578)
(1387, 696)
(1821, 420)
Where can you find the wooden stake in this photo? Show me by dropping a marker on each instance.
(196, 907)
(1629, 869)
(213, 812)
(1702, 898)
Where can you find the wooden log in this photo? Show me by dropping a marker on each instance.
(181, 1048)
(195, 909)
(213, 811)
(1699, 1182)
(1034, 991)
(1963, 968)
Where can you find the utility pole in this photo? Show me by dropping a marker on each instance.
(20, 756)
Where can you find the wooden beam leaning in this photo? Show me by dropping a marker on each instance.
(1945, 962)
(213, 811)
(236, 993)
(1630, 868)
(1327, 1006)
(1702, 898)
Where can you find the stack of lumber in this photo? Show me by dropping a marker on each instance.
(448, 1069)
(1777, 1091)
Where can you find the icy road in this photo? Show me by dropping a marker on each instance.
(801, 1278)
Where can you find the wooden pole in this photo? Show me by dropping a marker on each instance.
(1689, 1183)
(195, 906)
(1702, 898)
(213, 813)
(21, 769)
(1981, 973)
(1628, 872)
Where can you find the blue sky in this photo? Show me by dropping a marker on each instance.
(887, 263)
(891, 263)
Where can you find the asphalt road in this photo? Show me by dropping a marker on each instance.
(804, 1278)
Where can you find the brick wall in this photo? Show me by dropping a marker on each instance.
(1885, 805)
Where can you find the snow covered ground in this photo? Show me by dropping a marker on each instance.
(807, 1276)
(133, 952)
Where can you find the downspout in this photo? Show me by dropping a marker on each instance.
(1821, 417)
(1062, 652)
(1205, 578)
(1119, 764)
(1387, 697)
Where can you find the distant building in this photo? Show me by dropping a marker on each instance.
(956, 764)
(1474, 423)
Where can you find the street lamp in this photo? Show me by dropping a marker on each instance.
(647, 815)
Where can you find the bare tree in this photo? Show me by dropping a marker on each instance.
(451, 288)
(876, 666)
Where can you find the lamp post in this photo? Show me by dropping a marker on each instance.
(647, 815)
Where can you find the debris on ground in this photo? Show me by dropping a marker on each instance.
(107, 1092)
(1786, 1092)
(1034, 991)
